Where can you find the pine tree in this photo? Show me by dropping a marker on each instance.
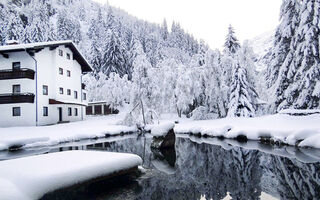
(304, 73)
(243, 97)
(39, 28)
(114, 55)
(231, 45)
(68, 29)
(13, 28)
(284, 40)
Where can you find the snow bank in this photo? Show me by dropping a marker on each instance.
(293, 130)
(93, 127)
(32, 177)
(162, 129)
(298, 112)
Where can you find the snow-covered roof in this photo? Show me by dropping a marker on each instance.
(40, 45)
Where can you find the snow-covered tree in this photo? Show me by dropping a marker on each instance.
(39, 27)
(243, 97)
(304, 73)
(116, 90)
(114, 55)
(68, 29)
(284, 40)
(231, 45)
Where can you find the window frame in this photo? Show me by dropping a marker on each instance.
(15, 68)
(60, 52)
(68, 73)
(84, 96)
(61, 90)
(69, 111)
(75, 94)
(69, 92)
(14, 114)
(45, 90)
(68, 56)
(45, 111)
(75, 111)
(60, 70)
(13, 89)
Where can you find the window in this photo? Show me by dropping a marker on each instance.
(45, 90)
(60, 52)
(76, 112)
(75, 94)
(16, 89)
(68, 92)
(69, 112)
(16, 111)
(16, 66)
(84, 96)
(68, 56)
(60, 71)
(61, 90)
(45, 111)
(68, 73)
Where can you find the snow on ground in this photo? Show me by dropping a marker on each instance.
(32, 177)
(279, 127)
(93, 127)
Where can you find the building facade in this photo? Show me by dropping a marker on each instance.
(41, 84)
(100, 108)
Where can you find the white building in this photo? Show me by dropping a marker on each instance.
(41, 84)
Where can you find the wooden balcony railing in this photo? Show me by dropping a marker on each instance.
(16, 74)
(16, 98)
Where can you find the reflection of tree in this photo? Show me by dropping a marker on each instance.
(245, 174)
(297, 180)
(205, 169)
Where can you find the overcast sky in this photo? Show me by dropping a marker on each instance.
(208, 19)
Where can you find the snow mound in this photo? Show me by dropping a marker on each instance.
(32, 177)
(162, 129)
(303, 131)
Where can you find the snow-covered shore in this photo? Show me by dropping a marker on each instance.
(303, 131)
(32, 177)
(93, 127)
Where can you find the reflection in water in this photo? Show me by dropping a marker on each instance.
(196, 170)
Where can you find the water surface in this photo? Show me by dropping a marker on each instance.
(201, 169)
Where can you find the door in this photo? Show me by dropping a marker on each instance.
(60, 114)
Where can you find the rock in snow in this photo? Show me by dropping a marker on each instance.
(32, 177)
(162, 129)
(163, 136)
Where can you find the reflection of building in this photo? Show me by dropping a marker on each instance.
(100, 108)
(41, 83)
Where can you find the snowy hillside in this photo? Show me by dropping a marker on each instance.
(262, 46)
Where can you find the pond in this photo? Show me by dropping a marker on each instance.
(200, 168)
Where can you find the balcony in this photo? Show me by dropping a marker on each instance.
(16, 74)
(16, 98)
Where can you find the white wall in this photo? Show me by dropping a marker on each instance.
(48, 64)
(22, 57)
(27, 118)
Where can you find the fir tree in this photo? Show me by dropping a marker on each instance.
(243, 96)
(114, 55)
(231, 45)
(304, 73)
(39, 28)
(68, 29)
(284, 40)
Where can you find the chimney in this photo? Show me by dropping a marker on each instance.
(12, 42)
